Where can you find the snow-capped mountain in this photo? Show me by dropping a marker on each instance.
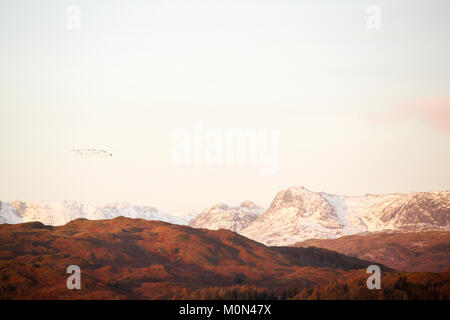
(297, 214)
(186, 215)
(223, 216)
(60, 212)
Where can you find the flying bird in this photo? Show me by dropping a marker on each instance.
(92, 153)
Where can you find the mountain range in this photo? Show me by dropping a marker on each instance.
(61, 212)
(296, 214)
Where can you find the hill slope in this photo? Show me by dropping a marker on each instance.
(421, 251)
(135, 258)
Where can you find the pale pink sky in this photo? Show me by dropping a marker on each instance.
(358, 111)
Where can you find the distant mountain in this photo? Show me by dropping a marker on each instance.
(60, 212)
(297, 214)
(186, 215)
(223, 216)
(140, 259)
(417, 251)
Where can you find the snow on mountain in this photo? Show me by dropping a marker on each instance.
(223, 216)
(60, 212)
(186, 215)
(141, 212)
(297, 214)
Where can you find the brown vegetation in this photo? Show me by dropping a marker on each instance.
(137, 259)
(415, 251)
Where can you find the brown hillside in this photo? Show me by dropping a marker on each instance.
(133, 258)
(418, 251)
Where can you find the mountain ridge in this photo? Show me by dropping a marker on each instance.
(224, 216)
(297, 214)
(63, 211)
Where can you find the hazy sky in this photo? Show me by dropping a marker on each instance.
(358, 110)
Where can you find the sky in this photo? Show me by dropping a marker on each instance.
(357, 110)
